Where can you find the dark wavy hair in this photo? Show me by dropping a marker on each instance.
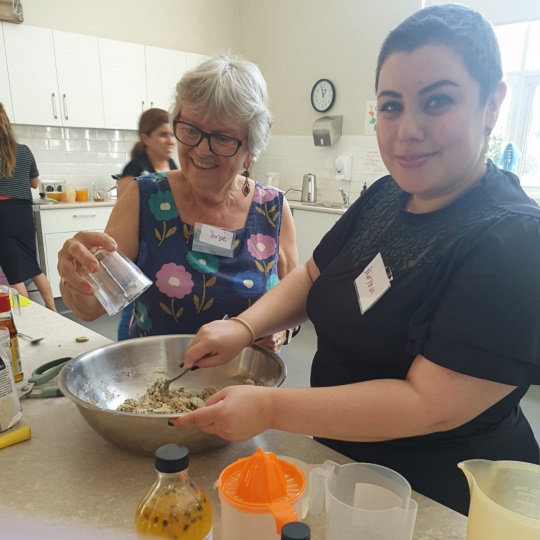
(8, 145)
(150, 120)
(461, 29)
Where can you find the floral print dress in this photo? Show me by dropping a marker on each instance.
(191, 288)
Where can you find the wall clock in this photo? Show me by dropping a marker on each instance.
(323, 95)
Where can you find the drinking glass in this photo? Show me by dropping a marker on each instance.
(117, 281)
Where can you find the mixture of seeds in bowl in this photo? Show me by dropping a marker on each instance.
(176, 400)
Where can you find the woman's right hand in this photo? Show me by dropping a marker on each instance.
(217, 343)
(76, 254)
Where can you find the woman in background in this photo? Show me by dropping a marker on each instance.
(18, 256)
(151, 154)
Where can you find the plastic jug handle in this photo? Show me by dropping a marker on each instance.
(409, 520)
(317, 485)
(283, 512)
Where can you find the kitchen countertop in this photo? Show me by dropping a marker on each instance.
(317, 207)
(55, 206)
(69, 481)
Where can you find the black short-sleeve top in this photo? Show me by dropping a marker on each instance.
(141, 165)
(465, 289)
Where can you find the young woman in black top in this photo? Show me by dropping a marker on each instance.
(424, 295)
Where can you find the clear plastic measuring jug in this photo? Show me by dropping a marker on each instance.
(362, 500)
(505, 499)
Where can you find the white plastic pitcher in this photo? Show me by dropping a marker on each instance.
(505, 500)
(362, 501)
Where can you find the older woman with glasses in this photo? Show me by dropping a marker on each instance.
(212, 240)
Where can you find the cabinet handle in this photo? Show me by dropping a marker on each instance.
(53, 97)
(151, 104)
(142, 106)
(65, 106)
(84, 215)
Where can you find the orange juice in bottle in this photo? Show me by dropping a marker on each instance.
(174, 507)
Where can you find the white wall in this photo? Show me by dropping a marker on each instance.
(298, 42)
(200, 26)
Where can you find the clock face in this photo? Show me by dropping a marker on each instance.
(323, 95)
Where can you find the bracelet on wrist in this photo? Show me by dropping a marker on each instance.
(246, 325)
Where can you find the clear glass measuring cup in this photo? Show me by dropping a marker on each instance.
(362, 500)
(505, 499)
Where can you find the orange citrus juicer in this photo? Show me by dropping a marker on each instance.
(262, 483)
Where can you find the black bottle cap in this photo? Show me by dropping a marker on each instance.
(295, 531)
(172, 458)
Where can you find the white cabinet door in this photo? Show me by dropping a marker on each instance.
(310, 227)
(32, 75)
(123, 75)
(55, 226)
(164, 68)
(79, 79)
(5, 92)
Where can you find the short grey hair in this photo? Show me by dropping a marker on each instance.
(228, 89)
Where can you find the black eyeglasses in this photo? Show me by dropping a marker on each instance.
(222, 145)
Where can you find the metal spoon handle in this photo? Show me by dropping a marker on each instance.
(169, 381)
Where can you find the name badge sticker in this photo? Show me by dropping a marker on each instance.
(372, 283)
(214, 240)
(215, 236)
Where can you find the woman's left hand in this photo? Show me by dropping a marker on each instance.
(274, 342)
(236, 413)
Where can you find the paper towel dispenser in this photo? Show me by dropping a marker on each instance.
(327, 130)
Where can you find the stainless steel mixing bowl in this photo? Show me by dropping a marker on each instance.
(98, 381)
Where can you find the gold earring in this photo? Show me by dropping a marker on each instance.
(246, 188)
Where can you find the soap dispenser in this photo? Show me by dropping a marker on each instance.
(343, 167)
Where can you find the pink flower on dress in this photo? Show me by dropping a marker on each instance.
(261, 246)
(264, 194)
(174, 281)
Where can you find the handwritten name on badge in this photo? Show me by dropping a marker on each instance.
(372, 283)
(216, 236)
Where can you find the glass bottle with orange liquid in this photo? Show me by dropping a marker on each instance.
(174, 507)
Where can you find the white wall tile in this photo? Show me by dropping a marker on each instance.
(43, 156)
(99, 146)
(79, 133)
(78, 155)
(109, 135)
(293, 157)
(35, 144)
(121, 146)
(44, 132)
(21, 131)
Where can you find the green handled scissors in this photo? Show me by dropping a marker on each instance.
(36, 386)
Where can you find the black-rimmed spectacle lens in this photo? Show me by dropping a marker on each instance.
(222, 145)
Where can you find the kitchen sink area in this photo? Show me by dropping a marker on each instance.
(327, 204)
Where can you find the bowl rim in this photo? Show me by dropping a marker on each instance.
(118, 344)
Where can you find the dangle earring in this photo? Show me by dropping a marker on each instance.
(246, 187)
(487, 139)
